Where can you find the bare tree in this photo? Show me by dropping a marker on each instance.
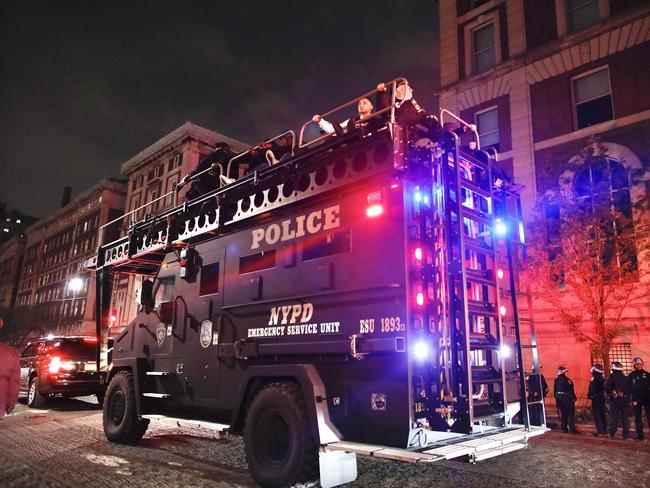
(589, 252)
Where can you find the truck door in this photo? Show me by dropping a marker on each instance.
(203, 336)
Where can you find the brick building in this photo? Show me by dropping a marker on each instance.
(13, 223)
(11, 260)
(152, 174)
(55, 294)
(541, 78)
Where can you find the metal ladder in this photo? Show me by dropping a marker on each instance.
(475, 323)
(518, 294)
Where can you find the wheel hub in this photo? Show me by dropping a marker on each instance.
(274, 439)
(117, 407)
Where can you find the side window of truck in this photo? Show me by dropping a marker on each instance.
(164, 287)
(209, 279)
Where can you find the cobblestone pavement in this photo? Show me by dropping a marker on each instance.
(65, 446)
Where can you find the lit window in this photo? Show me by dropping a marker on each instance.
(18, 221)
(483, 48)
(593, 98)
(487, 122)
(582, 14)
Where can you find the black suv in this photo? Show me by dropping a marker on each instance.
(65, 366)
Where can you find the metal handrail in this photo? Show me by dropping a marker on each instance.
(466, 124)
(392, 84)
(259, 146)
(493, 150)
(135, 210)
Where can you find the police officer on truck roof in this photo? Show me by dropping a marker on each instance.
(640, 390)
(537, 391)
(565, 398)
(617, 388)
(596, 394)
(408, 112)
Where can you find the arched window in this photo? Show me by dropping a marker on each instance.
(603, 185)
(604, 181)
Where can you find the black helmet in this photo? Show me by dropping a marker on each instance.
(617, 366)
(638, 362)
(562, 370)
(597, 368)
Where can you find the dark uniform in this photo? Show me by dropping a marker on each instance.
(565, 397)
(598, 401)
(537, 391)
(208, 180)
(617, 388)
(640, 392)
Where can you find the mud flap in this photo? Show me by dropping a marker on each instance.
(336, 467)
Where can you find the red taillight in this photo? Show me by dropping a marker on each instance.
(55, 363)
(92, 339)
(375, 207)
(419, 298)
(375, 210)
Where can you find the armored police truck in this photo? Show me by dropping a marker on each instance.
(365, 295)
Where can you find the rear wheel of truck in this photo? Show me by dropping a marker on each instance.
(279, 445)
(120, 417)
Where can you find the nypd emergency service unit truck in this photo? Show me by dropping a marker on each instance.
(358, 298)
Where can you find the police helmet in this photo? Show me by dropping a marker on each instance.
(597, 368)
(562, 370)
(638, 363)
(617, 366)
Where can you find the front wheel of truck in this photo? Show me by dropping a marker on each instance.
(279, 445)
(120, 417)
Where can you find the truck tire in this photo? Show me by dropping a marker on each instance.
(35, 399)
(279, 445)
(120, 418)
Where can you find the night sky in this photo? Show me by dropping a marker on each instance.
(84, 85)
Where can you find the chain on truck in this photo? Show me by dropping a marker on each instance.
(366, 295)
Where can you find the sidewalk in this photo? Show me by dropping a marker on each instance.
(553, 422)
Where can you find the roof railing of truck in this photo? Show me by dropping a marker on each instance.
(375, 115)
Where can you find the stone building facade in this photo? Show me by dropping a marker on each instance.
(11, 260)
(542, 79)
(152, 176)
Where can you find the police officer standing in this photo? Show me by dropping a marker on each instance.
(565, 398)
(537, 391)
(640, 385)
(597, 396)
(617, 388)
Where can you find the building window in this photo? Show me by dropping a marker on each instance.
(582, 14)
(175, 161)
(621, 352)
(592, 98)
(604, 183)
(483, 48)
(487, 123)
